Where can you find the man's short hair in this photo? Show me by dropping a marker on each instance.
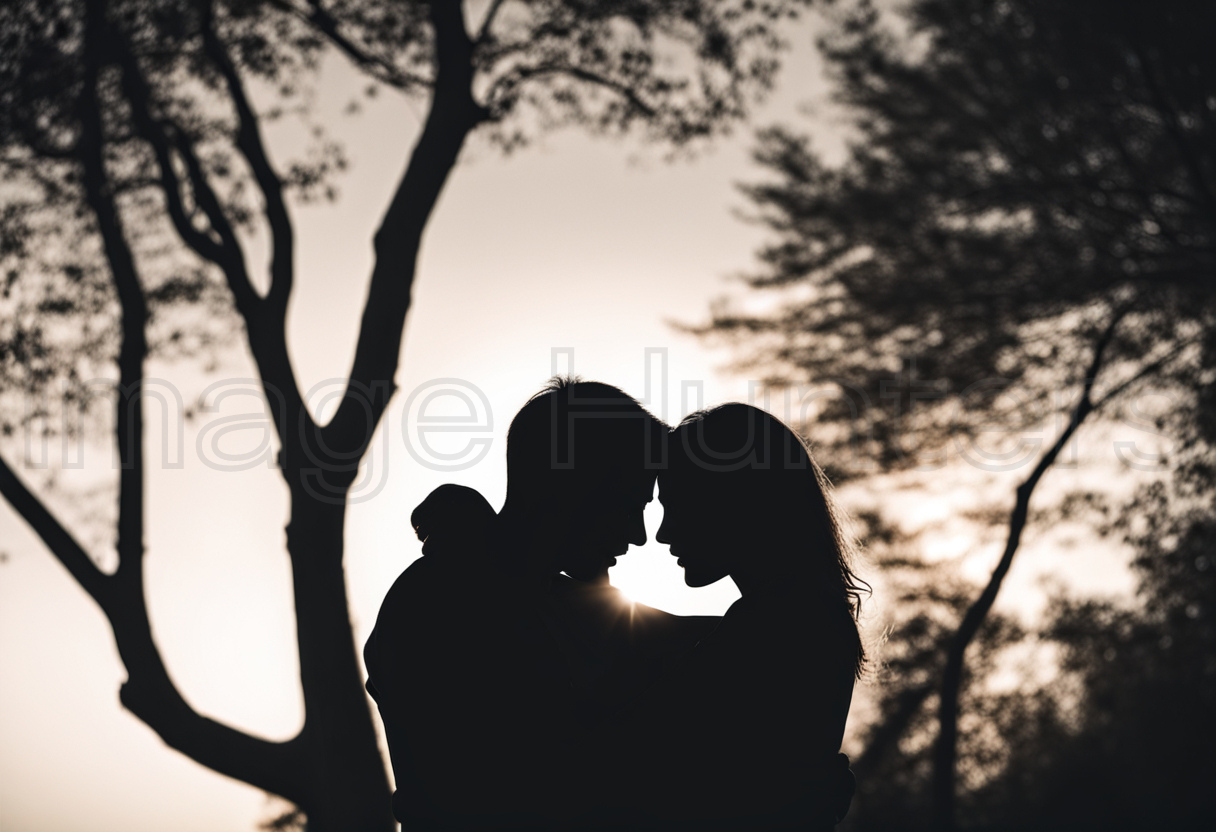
(573, 427)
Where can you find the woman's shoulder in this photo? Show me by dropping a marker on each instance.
(786, 635)
(797, 613)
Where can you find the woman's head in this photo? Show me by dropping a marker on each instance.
(742, 497)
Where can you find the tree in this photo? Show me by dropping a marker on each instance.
(921, 604)
(1123, 737)
(133, 160)
(1028, 205)
(1120, 736)
(1145, 722)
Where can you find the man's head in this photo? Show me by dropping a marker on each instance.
(581, 463)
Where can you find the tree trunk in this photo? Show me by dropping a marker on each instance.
(345, 786)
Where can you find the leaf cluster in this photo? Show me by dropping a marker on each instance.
(1020, 174)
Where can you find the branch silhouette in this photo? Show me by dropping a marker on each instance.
(946, 749)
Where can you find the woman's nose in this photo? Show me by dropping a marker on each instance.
(637, 529)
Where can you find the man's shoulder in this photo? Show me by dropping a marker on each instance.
(427, 589)
(418, 574)
(431, 579)
(429, 608)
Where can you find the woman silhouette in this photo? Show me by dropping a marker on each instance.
(744, 733)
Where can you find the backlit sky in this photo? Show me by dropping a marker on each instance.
(574, 244)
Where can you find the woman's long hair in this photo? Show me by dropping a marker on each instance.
(764, 471)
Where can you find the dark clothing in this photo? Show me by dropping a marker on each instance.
(475, 698)
(744, 733)
(616, 649)
(488, 696)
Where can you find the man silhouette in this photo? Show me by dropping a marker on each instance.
(493, 653)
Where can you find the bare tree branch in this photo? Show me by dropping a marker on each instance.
(265, 319)
(134, 313)
(483, 31)
(58, 539)
(946, 750)
(383, 71)
(521, 74)
(248, 302)
(137, 92)
(1144, 372)
(249, 140)
(453, 115)
(149, 693)
(165, 137)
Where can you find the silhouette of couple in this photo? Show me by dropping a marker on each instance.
(519, 690)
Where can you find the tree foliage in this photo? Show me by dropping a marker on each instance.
(921, 603)
(1139, 741)
(1120, 736)
(1020, 173)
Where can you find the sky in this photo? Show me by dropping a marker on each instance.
(572, 255)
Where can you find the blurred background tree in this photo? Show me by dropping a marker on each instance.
(1120, 737)
(1027, 208)
(135, 175)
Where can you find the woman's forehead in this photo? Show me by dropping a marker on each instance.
(683, 477)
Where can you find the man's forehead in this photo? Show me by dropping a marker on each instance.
(682, 479)
(635, 482)
(644, 485)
